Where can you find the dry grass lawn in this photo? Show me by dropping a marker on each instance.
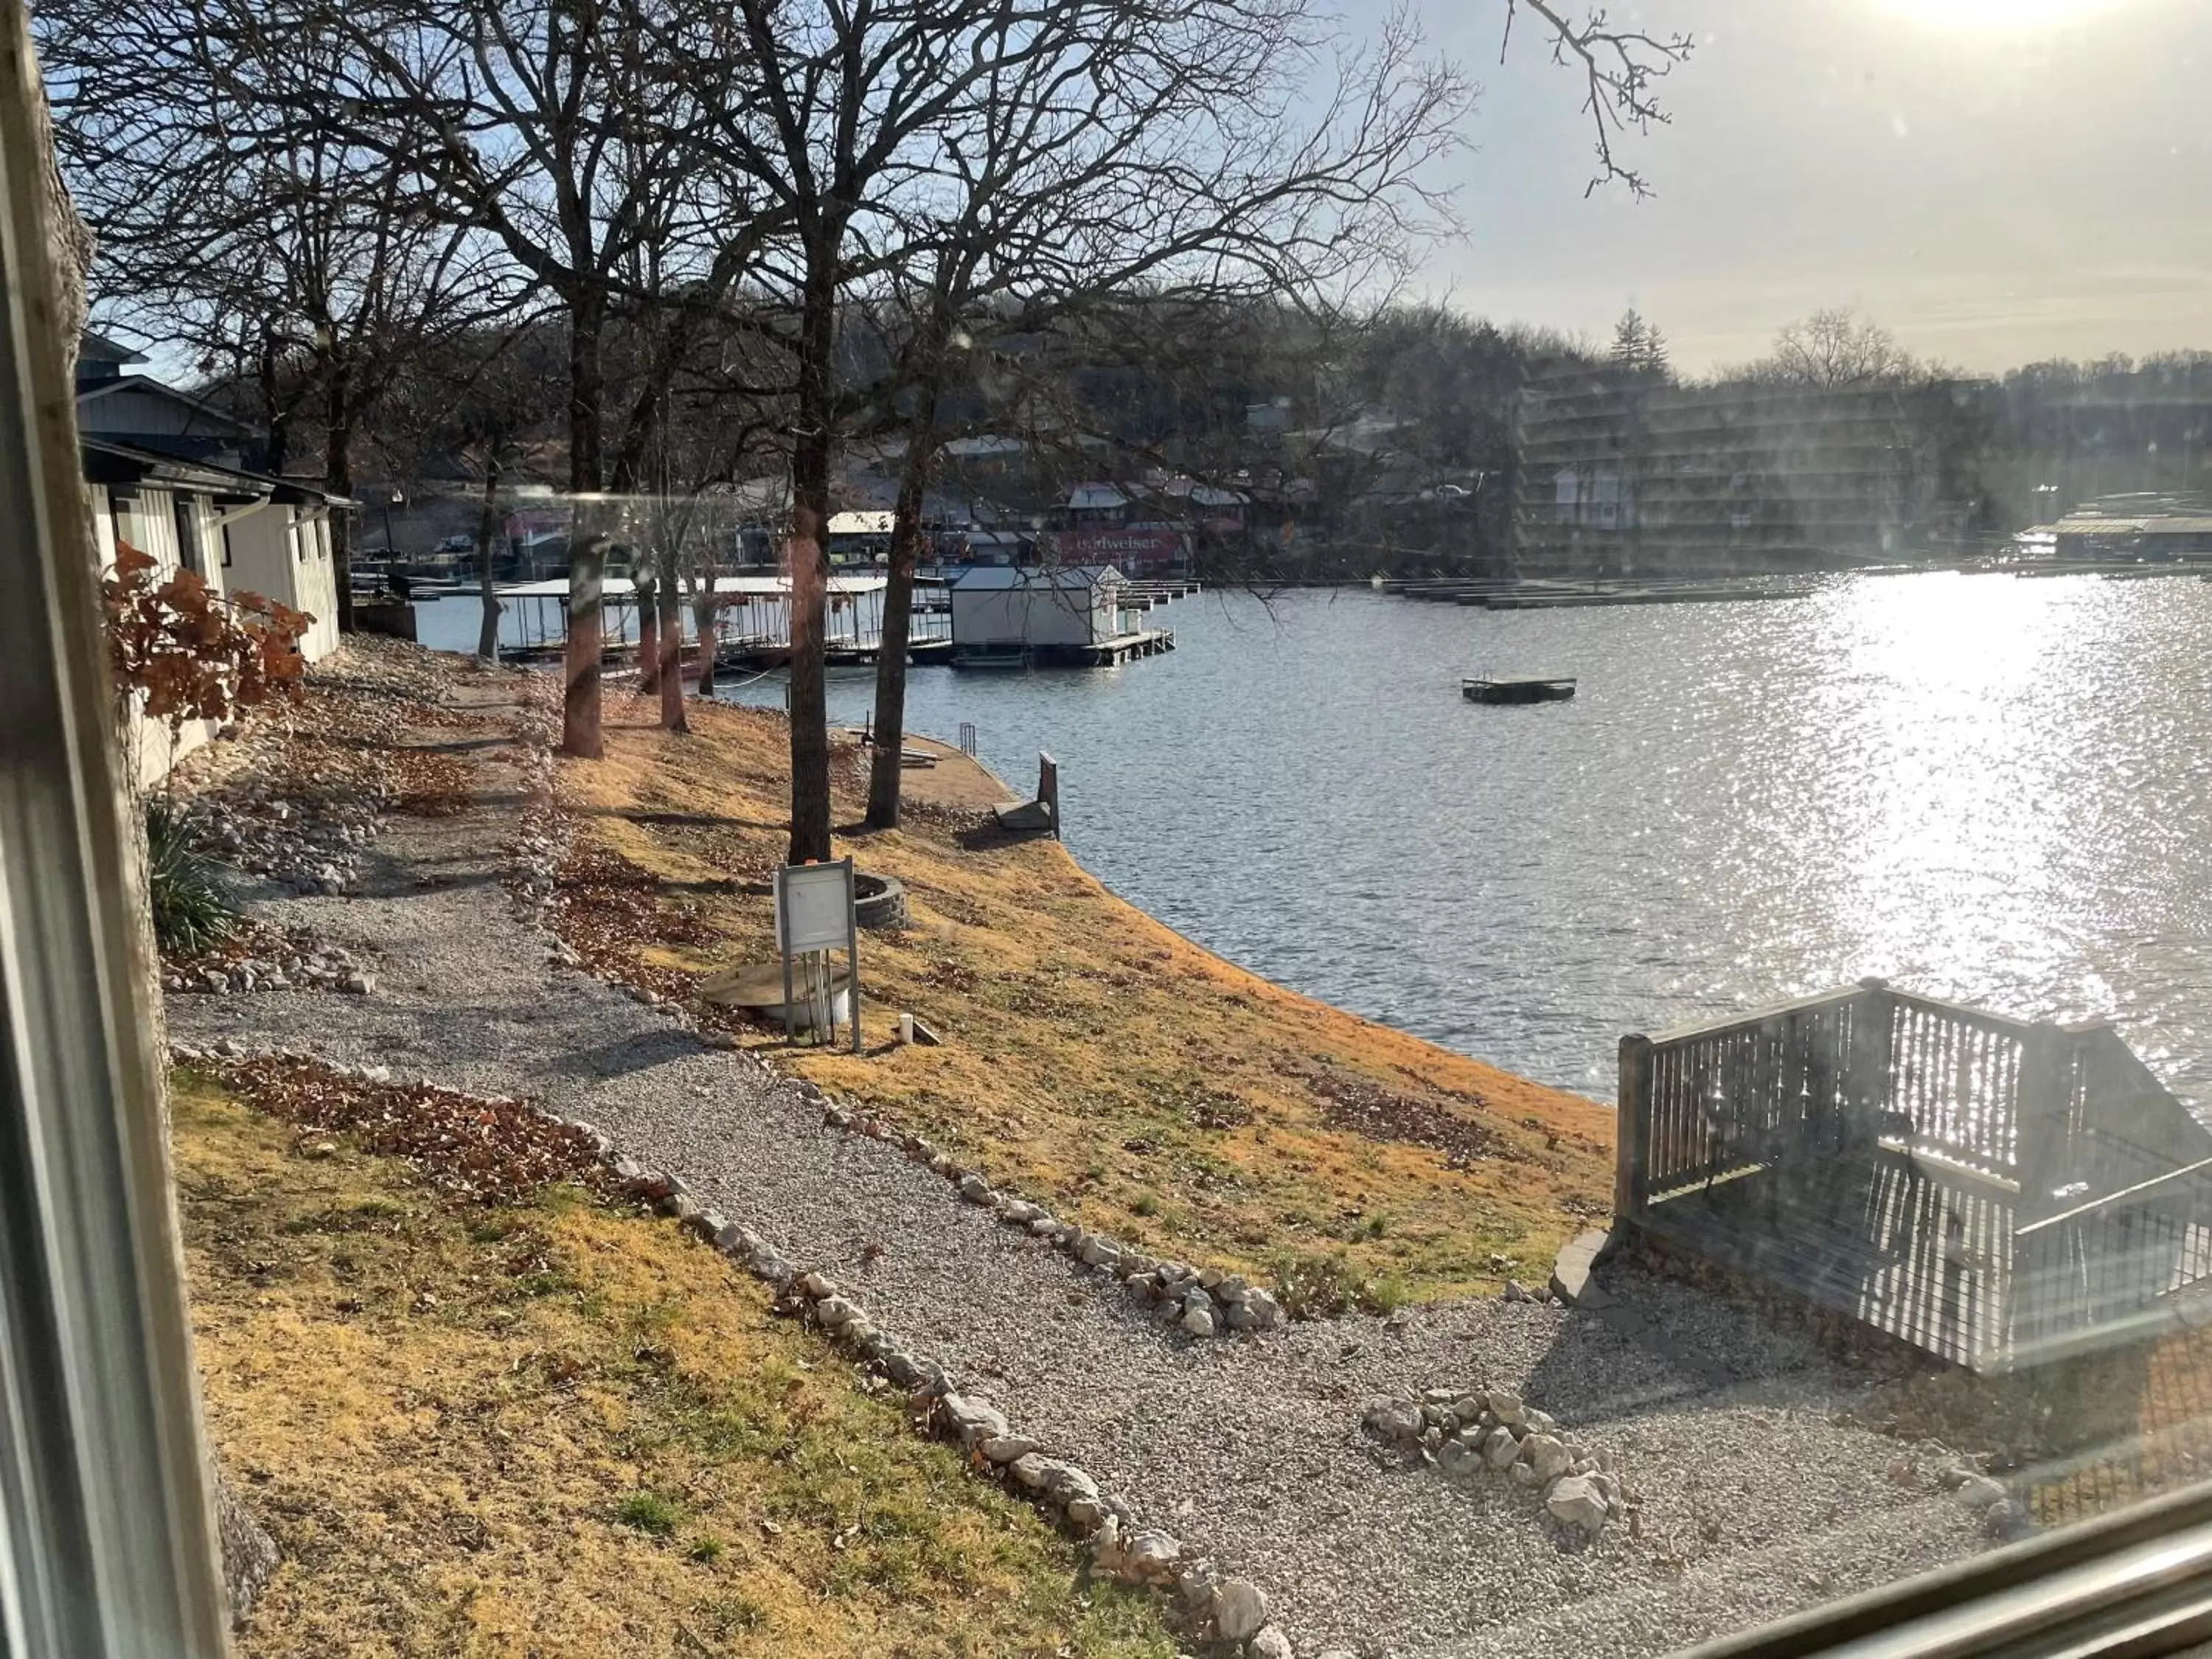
(1094, 1059)
(565, 1428)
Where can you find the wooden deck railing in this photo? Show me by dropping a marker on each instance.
(2103, 1179)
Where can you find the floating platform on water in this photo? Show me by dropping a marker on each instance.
(1542, 594)
(1519, 688)
(1102, 653)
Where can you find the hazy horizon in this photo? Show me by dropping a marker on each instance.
(1994, 193)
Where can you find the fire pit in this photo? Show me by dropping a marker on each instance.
(879, 901)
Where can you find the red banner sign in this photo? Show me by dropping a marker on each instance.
(1133, 551)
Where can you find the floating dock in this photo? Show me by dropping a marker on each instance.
(1103, 654)
(1535, 593)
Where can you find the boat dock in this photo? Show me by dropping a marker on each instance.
(753, 628)
(1103, 654)
(1539, 594)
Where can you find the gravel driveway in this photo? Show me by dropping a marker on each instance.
(1754, 1501)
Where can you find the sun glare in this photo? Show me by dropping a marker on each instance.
(2014, 15)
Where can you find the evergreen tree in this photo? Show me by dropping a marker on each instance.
(1638, 348)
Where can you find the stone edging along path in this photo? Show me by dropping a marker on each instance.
(1199, 1300)
(1228, 1610)
(1202, 1301)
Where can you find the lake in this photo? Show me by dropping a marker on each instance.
(1983, 787)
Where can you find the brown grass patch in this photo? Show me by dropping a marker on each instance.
(1093, 1059)
(561, 1427)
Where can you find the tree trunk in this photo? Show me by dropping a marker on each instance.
(586, 396)
(671, 657)
(337, 473)
(706, 618)
(884, 770)
(580, 711)
(272, 461)
(807, 554)
(587, 549)
(487, 537)
(648, 635)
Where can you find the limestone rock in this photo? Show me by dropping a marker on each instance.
(1509, 1410)
(1198, 1320)
(1500, 1448)
(1240, 1609)
(1269, 1643)
(1545, 1454)
(1577, 1501)
(1979, 1492)
(976, 1189)
(973, 1419)
(1005, 1447)
(1152, 1553)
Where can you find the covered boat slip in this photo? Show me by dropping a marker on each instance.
(1994, 1191)
(753, 617)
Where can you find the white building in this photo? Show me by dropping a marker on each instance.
(1001, 609)
(242, 532)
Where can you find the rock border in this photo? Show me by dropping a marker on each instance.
(1470, 1431)
(1201, 1301)
(1230, 1611)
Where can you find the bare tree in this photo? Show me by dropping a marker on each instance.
(553, 129)
(1621, 69)
(897, 150)
(1835, 347)
(482, 402)
(231, 223)
(1143, 154)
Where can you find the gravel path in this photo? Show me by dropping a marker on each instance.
(1754, 1500)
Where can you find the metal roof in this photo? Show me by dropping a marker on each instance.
(95, 390)
(557, 587)
(2097, 524)
(112, 460)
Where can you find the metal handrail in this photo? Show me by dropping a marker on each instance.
(2113, 1200)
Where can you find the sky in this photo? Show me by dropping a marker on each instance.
(1996, 181)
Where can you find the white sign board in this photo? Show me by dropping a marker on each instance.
(814, 907)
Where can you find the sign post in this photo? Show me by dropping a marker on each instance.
(815, 914)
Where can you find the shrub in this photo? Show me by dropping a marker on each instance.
(190, 911)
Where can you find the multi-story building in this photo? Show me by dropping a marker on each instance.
(1621, 475)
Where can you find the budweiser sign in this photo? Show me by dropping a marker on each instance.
(1133, 551)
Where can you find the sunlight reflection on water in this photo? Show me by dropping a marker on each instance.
(1984, 787)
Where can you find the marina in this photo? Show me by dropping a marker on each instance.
(753, 620)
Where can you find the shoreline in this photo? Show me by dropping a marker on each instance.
(1247, 1446)
(1096, 1060)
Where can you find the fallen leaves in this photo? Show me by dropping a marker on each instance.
(491, 1152)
